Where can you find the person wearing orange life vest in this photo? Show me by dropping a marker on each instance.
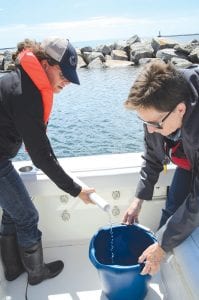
(166, 100)
(26, 99)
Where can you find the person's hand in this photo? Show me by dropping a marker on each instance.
(152, 257)
(84, 195)
(131, 214)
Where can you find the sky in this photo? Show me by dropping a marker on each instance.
(86, 20)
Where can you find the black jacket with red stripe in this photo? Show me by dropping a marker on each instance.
(186, 218)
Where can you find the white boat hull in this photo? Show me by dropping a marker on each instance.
(68, 225)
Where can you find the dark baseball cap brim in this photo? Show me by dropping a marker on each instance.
(68, 64)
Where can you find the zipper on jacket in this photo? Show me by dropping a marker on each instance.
(166, 159)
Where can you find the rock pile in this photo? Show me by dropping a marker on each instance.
(131, 52)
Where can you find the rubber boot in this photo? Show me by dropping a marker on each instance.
(32, 259)
(10, 257)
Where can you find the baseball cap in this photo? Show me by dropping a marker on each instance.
(65, 54)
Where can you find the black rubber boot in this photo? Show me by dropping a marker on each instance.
(38, 271)
(10, 257)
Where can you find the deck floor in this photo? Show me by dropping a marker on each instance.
(78, 281)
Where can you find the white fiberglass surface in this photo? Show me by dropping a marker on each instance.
(78, 281)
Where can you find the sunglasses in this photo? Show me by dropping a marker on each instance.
(157, 125)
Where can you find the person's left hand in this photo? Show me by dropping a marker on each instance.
(152, 258)
(84, 195)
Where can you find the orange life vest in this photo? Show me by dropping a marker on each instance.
(33, 68)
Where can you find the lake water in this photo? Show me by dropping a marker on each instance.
(91, 119)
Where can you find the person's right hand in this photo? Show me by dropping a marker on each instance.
(84, 195)
(132, 213)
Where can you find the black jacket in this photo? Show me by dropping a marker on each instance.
(186, 218)
(21, 120)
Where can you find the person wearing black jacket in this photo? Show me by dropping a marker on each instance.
(26, 97)
(166, 99)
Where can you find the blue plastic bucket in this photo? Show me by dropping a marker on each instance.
(121, 280)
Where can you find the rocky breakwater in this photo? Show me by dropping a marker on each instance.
(131, 52)
(134, 51)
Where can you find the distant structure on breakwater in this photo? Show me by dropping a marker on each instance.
(175, 35)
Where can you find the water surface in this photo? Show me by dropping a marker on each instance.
(90, 119)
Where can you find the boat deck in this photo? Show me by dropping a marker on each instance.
(78, 281)
(68, 225)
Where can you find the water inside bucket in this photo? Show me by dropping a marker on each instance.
(120, 245)
(112, 237)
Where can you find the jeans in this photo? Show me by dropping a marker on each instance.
(178, 191)
(19, 216)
